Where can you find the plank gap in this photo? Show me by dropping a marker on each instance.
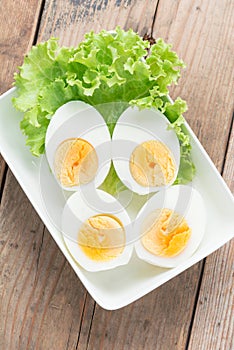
(38, 25)
(154, 18)
(227, 145)
(204, 261)
(195, 304)
(81, 321)
(39, 255)
(3, 179)
(90, 326)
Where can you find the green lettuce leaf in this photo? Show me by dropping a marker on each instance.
(110, 71)
(112, 183)
(187, 168)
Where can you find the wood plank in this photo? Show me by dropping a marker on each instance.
(70, 20)
(202, 33)
(21, 233)
(161, 320)
(211, 71)
(214, 313)
(54, 309)
(36, 280)
(18, 21)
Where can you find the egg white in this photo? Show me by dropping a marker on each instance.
(77, 119)
(133, 128)
(184, 200)
(83, 205)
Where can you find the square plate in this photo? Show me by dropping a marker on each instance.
(116, 288)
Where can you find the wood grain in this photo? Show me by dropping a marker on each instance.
(18, 21)
(21, 232)
(160, 320)
(37, 302)
(215, 308)
(202, 32)
(206, 44)
(214, 315)
(70, 20)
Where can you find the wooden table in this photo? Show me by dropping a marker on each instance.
(43, 305)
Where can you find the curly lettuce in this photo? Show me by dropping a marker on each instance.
(110, 71)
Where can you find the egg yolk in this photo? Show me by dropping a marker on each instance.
(165, 233)
(152, 164)
(75, 162)
(102, 237)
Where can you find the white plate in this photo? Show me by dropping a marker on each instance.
(115, 288)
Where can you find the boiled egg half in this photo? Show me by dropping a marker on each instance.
(146, 154)
(97, 230)
(78, 146)
(170, 226)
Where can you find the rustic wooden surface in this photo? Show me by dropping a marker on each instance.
(43, 305)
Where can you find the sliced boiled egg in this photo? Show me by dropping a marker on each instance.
(170, 226)
(78, 146)
(97, 230)
(146, 154)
